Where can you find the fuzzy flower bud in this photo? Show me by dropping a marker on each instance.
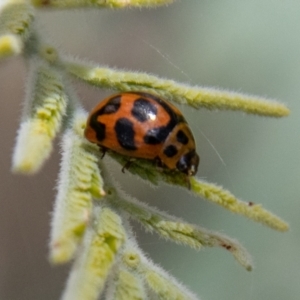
(101, 244)
(16, 18)
(79, 181)
(44, 111)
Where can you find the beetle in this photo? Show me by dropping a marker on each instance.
(143, 125)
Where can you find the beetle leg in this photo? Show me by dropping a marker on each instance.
(103, 150)
(158, 164)
(188, 182)
(127, 164)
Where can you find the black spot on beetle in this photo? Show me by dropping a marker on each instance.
(125, 134)
(181, 137)
(173, 116)
(156, 135)
(111, 106)
(98, 127)
(170, 151)
(143, 110)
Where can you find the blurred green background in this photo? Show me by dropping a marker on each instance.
(247, 46)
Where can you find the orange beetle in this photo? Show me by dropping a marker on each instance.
(142, 125)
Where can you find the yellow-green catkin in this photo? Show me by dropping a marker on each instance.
(196, 97)
(99, 3)
(46, 107)
(128, 285)
(9, 45)
(214, 193)
(160, 284)
(79, 181)
(179, 231)
(16, 18)
(163, 224)
(100, 246)
(224, 198)
(164, 288)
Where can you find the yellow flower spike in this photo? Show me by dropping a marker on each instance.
(97, 185)
(184, 94)
(76, 187)
(128, 285)
(134, 261)
(16, 18)
(176, 230)
(42, 120)
(147, 170)
(9, 45)
(99, 3)
(100, 247)
(164, 287)
(224, 198)
(94, 179)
